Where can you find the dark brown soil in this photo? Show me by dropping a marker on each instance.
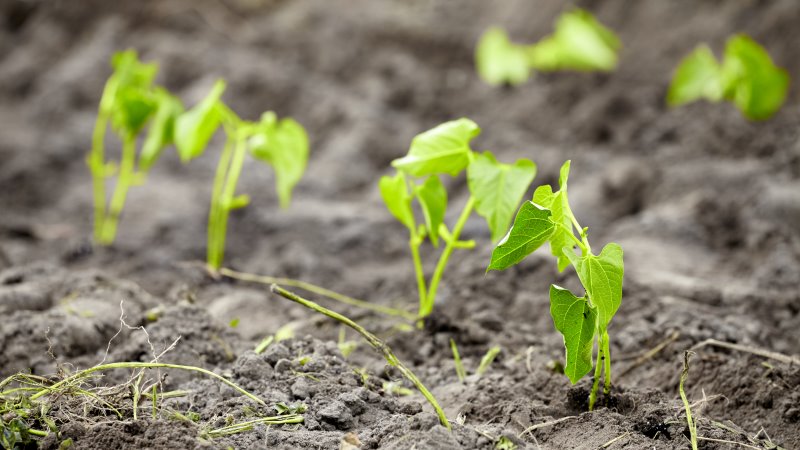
(705, 204)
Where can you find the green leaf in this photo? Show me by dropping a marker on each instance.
(532, 228)
(162, 129)
(432, 197)
(562, 214)
(394, 191)
(558, 204)
(131, 72)
(131, 104)
(500, 61)
(601, 276)
(284, 145)
(440, 150)
(133, 107)
(195, 127)
(543, 196)
(574, 318)
(579, 43)
(498, 188)
(751, 80)
(698, 76)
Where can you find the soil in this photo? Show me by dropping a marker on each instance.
(705, 204)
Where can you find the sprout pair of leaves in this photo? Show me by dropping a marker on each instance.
(495, 191)
(746, 76)
(281, 143)
(130, 101)
(579, 43)
(137, 101)
(580, 319)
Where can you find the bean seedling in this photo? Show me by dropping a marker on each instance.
(746, 76)
(581, 320)
(495, 191)
(579, 43)
(281, 143)
(129, 102)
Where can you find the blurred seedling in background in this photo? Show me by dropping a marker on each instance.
(129, 102)
(495, 191)
(581, 320)
(579, 43)
(486, 361)
(281, 143)
(747, 77)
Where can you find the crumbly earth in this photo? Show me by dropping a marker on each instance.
(705, 204)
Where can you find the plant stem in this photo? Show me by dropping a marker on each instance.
(571, 234)
(247, 426)
(414, 243)
(216, 248)
(374, 341)
(216, 195)
(487, 359)
(598, 368)
(690, 422)
(155, 403)
(141, 365)
(125, 180)
(448, 250)
(460, 372)
(317, 290)
(607, 369)
(96, 159)
(585, 248)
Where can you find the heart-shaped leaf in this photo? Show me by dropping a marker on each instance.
(441, 150)
(601, 276)
(195, 127)
(574, 318)
(432, 197)
(498, 188)
(284, 145)
(532, 228)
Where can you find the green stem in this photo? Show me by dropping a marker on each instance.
(141, 365)
(414, 244)
(96, 159)
(448, 250)
(247, 426)
(585, 248)
(216, 249)
(571, 234)
(317, 290)
(374, 341)
(125, 180)
(598, 367)
(607, 369)
(216, 194)
(690, 422)
(460, 372)
(137, 394)
(155, 403)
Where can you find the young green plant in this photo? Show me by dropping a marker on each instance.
(129, 102)
(495, 191)
(584, 320)
(746, 77)
(281, 143)
(579, 43)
